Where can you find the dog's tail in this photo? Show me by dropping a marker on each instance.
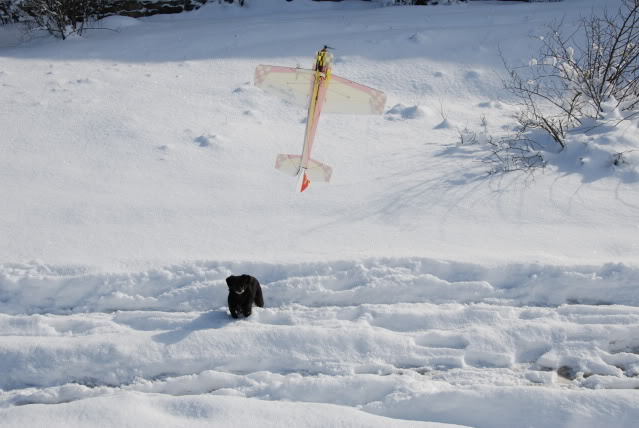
(259, 298)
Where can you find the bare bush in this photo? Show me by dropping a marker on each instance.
(515, 153)
(573, 75)
(506, 154)
(608, 65)
(61, 18)
(9, 12)
(570, 79)
(620, 158)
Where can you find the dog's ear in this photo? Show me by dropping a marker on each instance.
(230, 280)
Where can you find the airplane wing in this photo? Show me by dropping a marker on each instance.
(292, 84)
(345, 96)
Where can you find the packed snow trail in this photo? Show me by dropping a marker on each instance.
(406, 338)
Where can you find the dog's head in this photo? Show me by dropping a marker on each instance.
(236, 284)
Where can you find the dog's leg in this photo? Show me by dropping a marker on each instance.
(232, 308)
(247, 309)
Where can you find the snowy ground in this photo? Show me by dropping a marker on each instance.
(137, 173)
(409, 339)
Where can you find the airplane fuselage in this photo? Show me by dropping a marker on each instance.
(322, 70)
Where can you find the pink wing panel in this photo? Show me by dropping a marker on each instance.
(292, 84)
(345, 96)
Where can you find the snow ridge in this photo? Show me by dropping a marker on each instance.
(35, 288)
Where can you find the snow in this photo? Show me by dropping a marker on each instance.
(197, 411)
(414, 290)
(384, 336)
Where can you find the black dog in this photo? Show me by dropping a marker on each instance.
(243, 291)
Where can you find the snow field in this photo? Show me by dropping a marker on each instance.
(154, 143)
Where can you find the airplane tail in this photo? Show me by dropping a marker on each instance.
(288, 164)
(314, 171)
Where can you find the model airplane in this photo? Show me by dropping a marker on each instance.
(318, 90)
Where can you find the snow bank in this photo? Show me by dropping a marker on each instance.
(403, 112)
(135, 410)
(535, 407)
(117, 22)
(36, 288)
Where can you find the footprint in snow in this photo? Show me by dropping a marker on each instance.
(444, 124)
(209, 141)
(419, 38)
(488, 359)
(403, 112)
(491, 104)
(86, 81)
(165, 149)
(247, 87)
(253, 115)
(442, 339)
(472, 75)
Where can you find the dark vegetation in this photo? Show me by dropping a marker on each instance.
(64, 17)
